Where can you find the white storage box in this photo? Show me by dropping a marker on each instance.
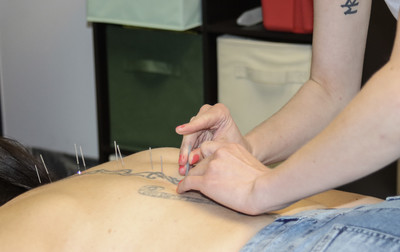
(256, 78)
(171, 15)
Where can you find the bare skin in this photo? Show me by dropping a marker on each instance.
(135, 208)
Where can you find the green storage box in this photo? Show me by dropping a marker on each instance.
(155, 84)
(171, 15)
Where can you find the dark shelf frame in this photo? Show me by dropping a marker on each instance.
(103, 112)
(258, 32)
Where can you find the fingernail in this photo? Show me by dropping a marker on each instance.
(180, 127)
(195, 159)
(180, 159)
(182, 169)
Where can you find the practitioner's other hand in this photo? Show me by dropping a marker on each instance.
(212, 123)
(229, 177)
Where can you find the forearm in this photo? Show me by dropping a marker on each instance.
(308, 112)
(362, 139)
(338, 48)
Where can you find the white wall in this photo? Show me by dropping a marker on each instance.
(47, 75)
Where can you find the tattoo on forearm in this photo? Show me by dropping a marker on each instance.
(351, 7)
(128, 172)
(157, 192)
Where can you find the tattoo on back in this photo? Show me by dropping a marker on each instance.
(351, 7)
(157, 192)
(129, 172)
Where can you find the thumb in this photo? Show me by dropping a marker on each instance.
(189, 183)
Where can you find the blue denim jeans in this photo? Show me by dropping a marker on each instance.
(364, 228)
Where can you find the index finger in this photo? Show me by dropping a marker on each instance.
(209, 117)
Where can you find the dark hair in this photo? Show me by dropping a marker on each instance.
(17, 170)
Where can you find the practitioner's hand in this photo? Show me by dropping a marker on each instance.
(229, 177)
(212, 123)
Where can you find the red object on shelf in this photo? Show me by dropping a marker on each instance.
(288, 15)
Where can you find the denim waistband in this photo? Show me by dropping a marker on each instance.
(391, 198)
(392, 202)
(372, 227)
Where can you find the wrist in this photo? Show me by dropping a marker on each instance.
(269, 193)
(246, 144)
(250, 145)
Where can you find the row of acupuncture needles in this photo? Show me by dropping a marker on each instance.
(118, 156)
(77, 162)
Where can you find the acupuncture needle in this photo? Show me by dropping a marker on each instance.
(187, 164)
(45, 167)
(77, 160)
(116, 153)
(83, 158)
(37, 172)
(120, 156)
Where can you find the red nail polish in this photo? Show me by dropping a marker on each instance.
(181, 169)
(195, 159)
(180, 159)
(181, 126)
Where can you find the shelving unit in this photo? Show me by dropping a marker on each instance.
(219, 17)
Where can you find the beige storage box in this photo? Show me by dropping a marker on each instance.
(256, 78)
